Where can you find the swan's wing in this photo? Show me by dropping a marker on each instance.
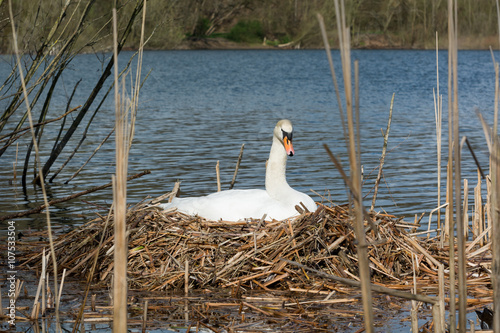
(231, 205)
(235, 205)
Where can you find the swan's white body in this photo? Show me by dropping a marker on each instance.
(277, 201)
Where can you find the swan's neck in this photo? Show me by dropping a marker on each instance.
(276, 170)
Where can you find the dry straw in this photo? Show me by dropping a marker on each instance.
(270, 256)
(454, 142)
(35, 144)
(353, 143)
(438, 112)
(495, 205)
(124, 137)
(120, 199)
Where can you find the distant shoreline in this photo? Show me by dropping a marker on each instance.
(365, 41)
(360, 42)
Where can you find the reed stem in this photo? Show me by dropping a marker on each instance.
(364, 269)
(124, 137)
(240, 156)
(37, 156)
(217, 173)
(414, 307)
(120, 202)
(186, 278)
(449, 186)
(384, 151)
(438, 112)
(462, 286)
(495, 196)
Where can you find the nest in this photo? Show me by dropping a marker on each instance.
(167, 247)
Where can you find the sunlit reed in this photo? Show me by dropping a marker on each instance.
(37, 156)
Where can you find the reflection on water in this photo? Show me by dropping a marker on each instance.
(198, 107)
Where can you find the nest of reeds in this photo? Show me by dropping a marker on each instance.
(167, 247)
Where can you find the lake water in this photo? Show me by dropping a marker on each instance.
(199, 107)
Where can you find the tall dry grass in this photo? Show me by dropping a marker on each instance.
(354, 183)
(125, 115)
(454, 163)
(37, 155)
(495, 192)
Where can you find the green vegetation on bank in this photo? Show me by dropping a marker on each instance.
(247, 32)
(373, 23)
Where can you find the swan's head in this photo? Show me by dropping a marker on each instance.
(284, 132)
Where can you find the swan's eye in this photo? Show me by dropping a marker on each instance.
(287, 135)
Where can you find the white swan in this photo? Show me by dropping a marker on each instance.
(277, 201)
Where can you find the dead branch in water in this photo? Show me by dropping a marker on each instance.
(70, 197)
(88, 160)
(25, 129)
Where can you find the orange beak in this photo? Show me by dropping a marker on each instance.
(288, 146)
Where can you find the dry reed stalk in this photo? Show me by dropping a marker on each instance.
(124, 137)
(441, 287)
(454, 143)
(384, 150)
(120, 202)
(466, 210)
(37, 154)
(240, 156)
(355, 176)
(169, 196)
(480, 251)
(493, 192)
(61, 287)
(414, 309)
(447, 219)
(36, 310)
(475, 241)
(478, 210)
(449, 177)
(437, 209)
(19, 285)
(438, 112)
(186, 278)
(495, 205)
(40, 285)
(44, 290)
(217, 173)
(487, 208)
(356, 113)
